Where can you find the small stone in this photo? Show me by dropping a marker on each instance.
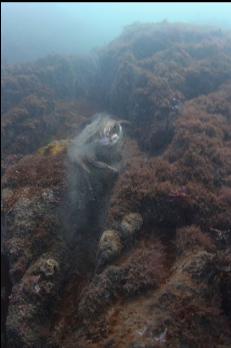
(37, 289)
(6, 194)
(110, 239)
(131, 224)
(110, 247)
(49, 267)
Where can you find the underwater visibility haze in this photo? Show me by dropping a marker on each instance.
(116, 175)
(33, 30)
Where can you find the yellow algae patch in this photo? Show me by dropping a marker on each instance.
(55, 148)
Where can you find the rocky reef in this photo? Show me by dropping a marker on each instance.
(129, 246)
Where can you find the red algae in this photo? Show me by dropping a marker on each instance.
(170, 282)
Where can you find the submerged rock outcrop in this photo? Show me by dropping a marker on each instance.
(110, 243)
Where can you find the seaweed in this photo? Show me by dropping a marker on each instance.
(171, 82)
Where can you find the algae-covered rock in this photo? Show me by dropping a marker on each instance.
(33, 298)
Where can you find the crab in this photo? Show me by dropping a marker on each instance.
(99, 144)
